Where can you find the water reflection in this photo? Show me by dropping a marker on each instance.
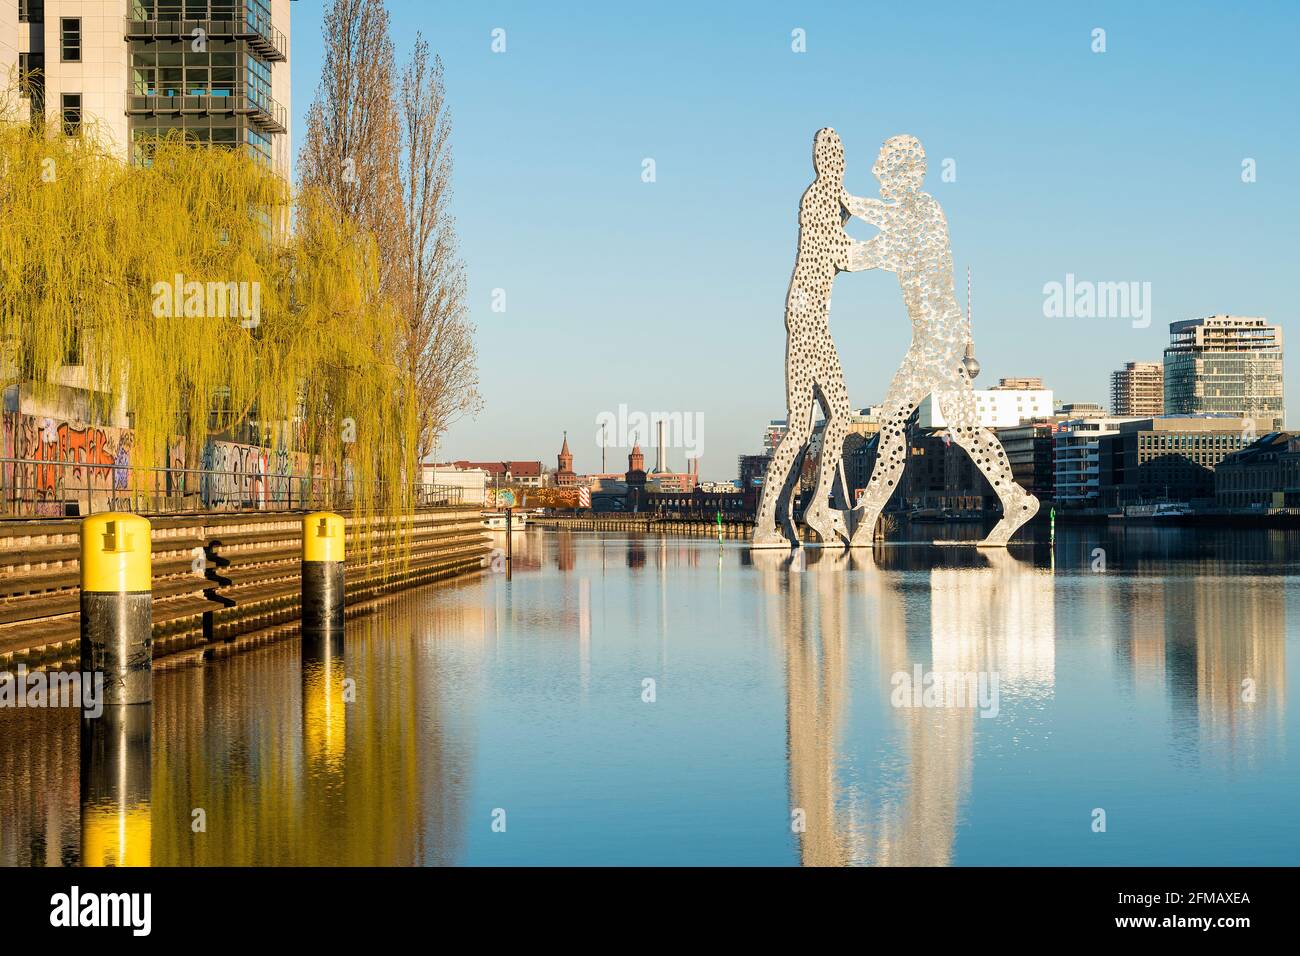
(992, 617)
(116, 784)
(1156, 686)
(301, 755)
(40, 801)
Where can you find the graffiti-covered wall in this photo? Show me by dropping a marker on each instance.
(248, 476)
(58, 467)
(52, 463)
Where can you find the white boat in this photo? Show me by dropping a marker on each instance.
(1162, 509)
(496, 521)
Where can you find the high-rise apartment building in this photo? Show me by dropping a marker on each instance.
(1137, 390)
(137, 69)
(1225, 365)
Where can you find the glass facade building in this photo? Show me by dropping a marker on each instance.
(1225, 365)
(203, 68)
(127, 72)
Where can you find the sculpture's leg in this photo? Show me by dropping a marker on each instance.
(1018, 506)
(767, 534)
(911, 383)
(826, 521)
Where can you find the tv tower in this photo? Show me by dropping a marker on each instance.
(972, 366)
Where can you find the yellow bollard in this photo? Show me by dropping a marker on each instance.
(322, 572)
(117, 606)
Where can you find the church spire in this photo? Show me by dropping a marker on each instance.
(564, 476)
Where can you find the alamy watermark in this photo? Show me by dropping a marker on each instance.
(624, 428)
(1084, 299)
(53, 689)
(99, 910)
(956, 689)
(217, 300)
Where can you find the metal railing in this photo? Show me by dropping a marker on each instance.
(253, 25)
(34, 487)
(261, 108)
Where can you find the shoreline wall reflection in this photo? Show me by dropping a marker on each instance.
(375, 781)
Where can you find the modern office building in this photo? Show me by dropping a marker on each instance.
(1265, 474)
(1030, 448)
(136, 69)
(1225, 365)
(1138, 389)
(996, 407)
(124, 72)
(1076, 455)
(1172, 458)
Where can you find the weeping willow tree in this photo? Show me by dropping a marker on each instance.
(199, 289)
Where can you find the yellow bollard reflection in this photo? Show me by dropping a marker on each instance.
(324, 715)
(116, 784)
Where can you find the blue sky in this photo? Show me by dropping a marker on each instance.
(668, 296)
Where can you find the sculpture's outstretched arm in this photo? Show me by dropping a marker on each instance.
(868, 254)
(868, 210)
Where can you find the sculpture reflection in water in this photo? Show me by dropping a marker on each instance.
(994, 617)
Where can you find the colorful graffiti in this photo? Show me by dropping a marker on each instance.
(54, 464)
(56, 467)
(248, 476)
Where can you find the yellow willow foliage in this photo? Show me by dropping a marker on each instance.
(138, 267)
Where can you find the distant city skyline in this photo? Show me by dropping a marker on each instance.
(1123, 166)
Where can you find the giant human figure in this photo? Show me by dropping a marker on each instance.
(812, 369)
(913, 243)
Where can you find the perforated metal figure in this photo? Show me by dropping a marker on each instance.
(913, 243)
(812, 368)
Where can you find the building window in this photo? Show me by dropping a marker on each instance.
(31, 11)
(71, 114)
(70, 39)
(31, 78)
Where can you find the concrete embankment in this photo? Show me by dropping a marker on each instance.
(216, 576)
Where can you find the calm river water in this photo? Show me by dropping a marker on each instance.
(646, 700)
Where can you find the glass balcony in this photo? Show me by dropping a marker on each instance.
(263, 112)
(251, 22)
